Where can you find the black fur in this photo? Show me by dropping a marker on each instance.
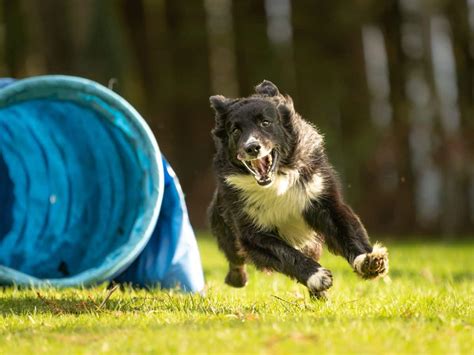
(265, 128)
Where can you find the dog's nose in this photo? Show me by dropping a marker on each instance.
(252, 148)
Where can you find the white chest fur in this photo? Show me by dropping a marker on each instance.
(281, 205)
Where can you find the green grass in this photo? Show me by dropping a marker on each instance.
(426, 308)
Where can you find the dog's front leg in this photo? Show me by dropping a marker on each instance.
(345, 235)
(268, 252)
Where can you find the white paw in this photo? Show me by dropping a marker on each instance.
(319, 281)
(372, 265)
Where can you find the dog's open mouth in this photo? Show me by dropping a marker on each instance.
(262, 168)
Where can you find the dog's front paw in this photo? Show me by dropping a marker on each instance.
(319, 282)
(374, 264)
(236, 277)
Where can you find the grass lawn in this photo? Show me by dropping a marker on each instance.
(427, 307)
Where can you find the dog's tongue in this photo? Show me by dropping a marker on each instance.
(261, 166)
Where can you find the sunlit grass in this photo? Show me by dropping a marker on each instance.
(425, 307)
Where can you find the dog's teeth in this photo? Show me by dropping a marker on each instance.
(249, 167)
(258, 166)
(261, 168)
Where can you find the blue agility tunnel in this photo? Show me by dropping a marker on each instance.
(85, 195)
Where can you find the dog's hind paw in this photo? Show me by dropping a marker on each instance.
(236, 277)
(319, 282)
(372, 265)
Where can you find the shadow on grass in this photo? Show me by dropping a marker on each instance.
(51, 305)
(162, 302)
(43, 303)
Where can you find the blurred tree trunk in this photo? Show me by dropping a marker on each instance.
(280, 35)
(57, 40)
(137, 27)
(317, 63)
(404, 203)
(332, 92)
(15, 37)
(190, 116)
(462, 145)
(357, 132)
(255, 61)
(222, 56)
(159, 50)
(104, 55)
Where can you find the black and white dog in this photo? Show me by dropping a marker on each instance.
(278, 198)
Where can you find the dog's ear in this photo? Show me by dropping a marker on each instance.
(219, 103)
(267, 88)
(286, 108)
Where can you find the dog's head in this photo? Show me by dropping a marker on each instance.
(255, 131)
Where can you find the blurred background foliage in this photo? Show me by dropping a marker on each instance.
(389, 83)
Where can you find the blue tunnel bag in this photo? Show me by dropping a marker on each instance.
(85, 194)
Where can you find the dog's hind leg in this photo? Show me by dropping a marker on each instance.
(345, 235)
(268, 252)
(237, 276)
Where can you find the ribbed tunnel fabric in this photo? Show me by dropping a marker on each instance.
(81, 186)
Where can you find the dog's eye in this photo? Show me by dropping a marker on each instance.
(235, 131)
(265, 123)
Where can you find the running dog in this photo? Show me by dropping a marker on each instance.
(278, 198)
